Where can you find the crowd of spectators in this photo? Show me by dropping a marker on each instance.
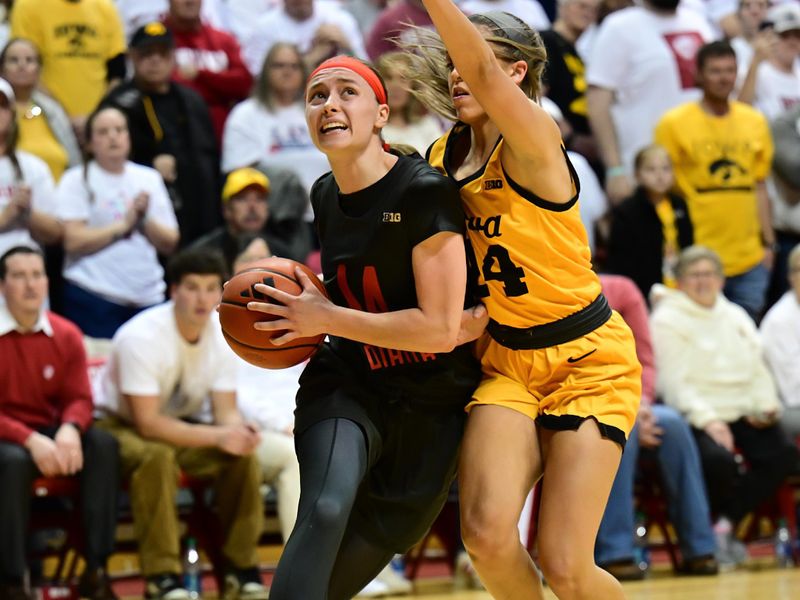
(132, 130)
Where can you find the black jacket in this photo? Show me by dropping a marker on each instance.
(636, 244)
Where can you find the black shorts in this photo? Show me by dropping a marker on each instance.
(412, 450)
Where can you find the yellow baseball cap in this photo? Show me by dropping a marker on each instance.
(241, 179)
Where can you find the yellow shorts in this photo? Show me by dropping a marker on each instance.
(597, 375)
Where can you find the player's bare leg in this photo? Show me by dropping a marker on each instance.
(579, 470)
(494, 481)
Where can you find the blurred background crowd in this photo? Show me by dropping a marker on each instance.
(150, 147)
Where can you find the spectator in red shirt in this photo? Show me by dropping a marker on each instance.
(45, 426)
(208, 60)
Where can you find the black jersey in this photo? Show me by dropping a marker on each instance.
(367, 239)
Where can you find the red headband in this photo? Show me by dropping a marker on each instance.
(357, 67)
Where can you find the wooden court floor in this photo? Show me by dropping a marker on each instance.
(766, 584)
(759, 580)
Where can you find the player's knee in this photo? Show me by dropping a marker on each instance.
(563, 572)
(488, 534)
(330, 511)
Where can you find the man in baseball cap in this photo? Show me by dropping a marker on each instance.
(170, 130)
(785, 18)
(245, 209)
(240, 180)
(772, 82)
(152, 34)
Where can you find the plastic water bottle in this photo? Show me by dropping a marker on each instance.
(399, 564)
(783, 546)
(191, 569)
(641, 548)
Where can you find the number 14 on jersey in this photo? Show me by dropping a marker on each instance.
(497, 266)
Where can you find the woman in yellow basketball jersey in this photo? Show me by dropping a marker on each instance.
(561, 381)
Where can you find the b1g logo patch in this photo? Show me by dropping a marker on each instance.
(392, 217)
(493, 184)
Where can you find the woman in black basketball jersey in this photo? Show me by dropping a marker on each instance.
(380, 411)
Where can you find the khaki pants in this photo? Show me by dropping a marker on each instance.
(153, 468)
(281, 471)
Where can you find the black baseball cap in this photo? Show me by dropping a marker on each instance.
(151, 34)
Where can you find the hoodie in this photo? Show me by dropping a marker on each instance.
(709, 361)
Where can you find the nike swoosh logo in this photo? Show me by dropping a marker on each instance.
(576, 359)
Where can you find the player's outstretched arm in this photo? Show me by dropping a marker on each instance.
(520, 121)
(533, 140)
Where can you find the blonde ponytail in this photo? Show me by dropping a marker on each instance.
(427, 68)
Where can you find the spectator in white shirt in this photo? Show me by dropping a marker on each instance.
(166, 364)
(772, 83)
(117, 219)
(641, 65)
(780, 334)
(27, 194)
(710, 367)
(320, 28)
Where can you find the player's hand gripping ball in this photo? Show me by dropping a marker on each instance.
(254, 346)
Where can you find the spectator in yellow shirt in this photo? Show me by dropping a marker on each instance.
(44, 128)
(82, 45)
(721, 151)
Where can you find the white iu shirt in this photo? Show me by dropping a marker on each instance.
(149, 357)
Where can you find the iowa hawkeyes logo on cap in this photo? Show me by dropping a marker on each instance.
(155, 28)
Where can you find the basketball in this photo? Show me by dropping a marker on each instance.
(237, 322)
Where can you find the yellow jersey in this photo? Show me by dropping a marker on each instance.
(75, 39)
(528, 258)
(718, 161)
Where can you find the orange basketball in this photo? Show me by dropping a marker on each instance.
(237, 322)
